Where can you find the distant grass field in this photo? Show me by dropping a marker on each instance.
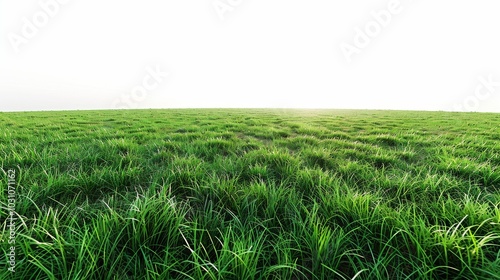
(252, 194)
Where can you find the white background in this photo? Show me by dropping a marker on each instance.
(281, 53)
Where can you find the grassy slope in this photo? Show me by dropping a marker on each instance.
(247, 194)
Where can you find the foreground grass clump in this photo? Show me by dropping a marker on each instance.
(252, 194)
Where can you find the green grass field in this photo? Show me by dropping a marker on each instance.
(252, 194)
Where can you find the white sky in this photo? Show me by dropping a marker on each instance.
(89, 54)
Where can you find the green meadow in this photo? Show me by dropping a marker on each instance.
(251, 194)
